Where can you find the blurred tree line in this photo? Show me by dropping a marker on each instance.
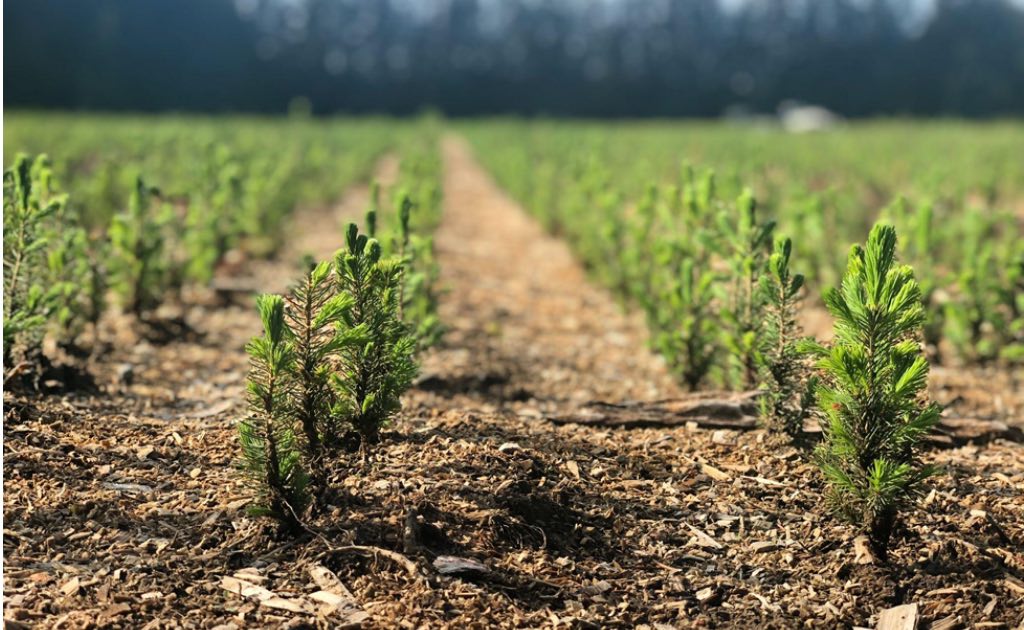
(557, 57)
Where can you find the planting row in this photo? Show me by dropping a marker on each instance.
(671, 239)
(722, 298)
(130, 212)
(339, 349)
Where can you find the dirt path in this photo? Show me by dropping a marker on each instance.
(319, 231)
(525, 323)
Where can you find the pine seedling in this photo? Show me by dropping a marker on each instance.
(417, 303)
(745, 247)
(312, 313)
(685, 324)
(683, 315)
(270, 453)
(872, 397)
(788, 392)
(637, 256)
(137, 251)
(918, 250)
(376, 358)
(202, 240)
(404, 206)
(73, 278)
(371, 214)
(61, 262)
(971, 315)
(29, 300)
(1011, 296)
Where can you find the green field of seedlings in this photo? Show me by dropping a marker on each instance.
(637, 202)
(513, 373)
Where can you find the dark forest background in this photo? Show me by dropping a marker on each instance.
(556, 57)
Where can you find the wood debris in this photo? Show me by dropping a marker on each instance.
(898, 618)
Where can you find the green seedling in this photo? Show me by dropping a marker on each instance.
(788, 390)
(270, 451)
(376, 360)
(872, 393)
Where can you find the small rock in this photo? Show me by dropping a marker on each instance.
(460, 567)
(508, 447)
(144, 452)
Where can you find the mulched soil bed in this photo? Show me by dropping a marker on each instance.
(123, 507)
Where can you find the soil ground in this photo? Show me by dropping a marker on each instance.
(123, 507)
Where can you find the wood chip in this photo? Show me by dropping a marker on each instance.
(763, 481)
(573, 467)
(703, 539)
(862, 550)
(714, 473)
(1014, 584)
(265, 597)
(724, 437)
(764, 546)
(707, 595)
(730, 411)
(70, 587)
(952, 622)
(131, 488)
(898, 618)
(766, 603)
(213, 410)
(460, 567)
(115, 609)
(342, 605)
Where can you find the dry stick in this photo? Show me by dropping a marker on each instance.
(379, 552)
